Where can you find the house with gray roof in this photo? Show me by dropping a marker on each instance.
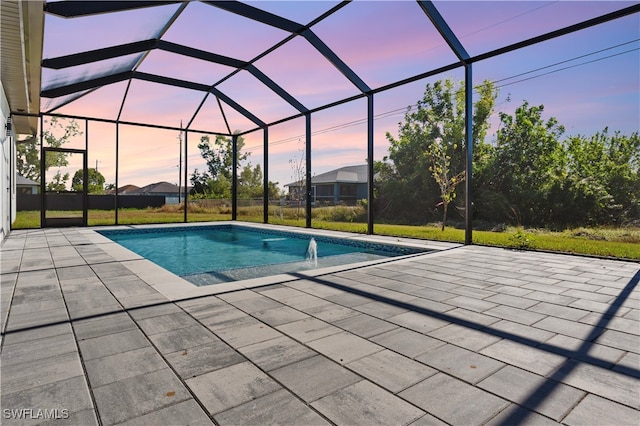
(171, 192)
(345, 185)
(26, 186)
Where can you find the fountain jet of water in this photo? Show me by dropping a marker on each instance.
(312, 253)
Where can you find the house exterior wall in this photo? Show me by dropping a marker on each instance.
(332, 193)
(27, 189)
(7, 170)
(362, 191)
(325, 194)
(350, 193)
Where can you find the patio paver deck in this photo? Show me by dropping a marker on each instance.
(93, 334)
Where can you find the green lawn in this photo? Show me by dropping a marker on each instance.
(622, 243)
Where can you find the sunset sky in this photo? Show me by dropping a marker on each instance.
(588, 80)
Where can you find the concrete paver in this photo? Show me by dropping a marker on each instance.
(464, 337)
(391, 370)
(71, 395)
(344, 347)
(364, 325)
(617, 339)
(103, 325)
(629, 364)
(313, 378)
(279, 316)
(407, 342)
(602, 382)
(515, 314)
(467, 335)
(281, 405)
(113, 343)
(38, 349)
(454, 401)
(596, 410)
(365, 403)
(554, 400)
(201, 359)
(380, 309)
(247, 334)
(120, 366)
(516, 414)
(231, 386)
(517, 332)
(604, 356)
(165, 323)
(275, 353)
(307, 330)
(41, 372)
(138, 395)
(184, 413)
(29, 334)
(557, 308)
(461, 363)
(182, 339)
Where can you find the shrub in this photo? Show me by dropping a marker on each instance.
(341, 214)
(522, 240)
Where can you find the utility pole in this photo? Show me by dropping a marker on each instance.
(180, 166)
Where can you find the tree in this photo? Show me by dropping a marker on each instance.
(28, 158)
(216, 181)
(624, 177)
(299, 188)
(58, 182)
(432, 139)
(28, 152)
(250, 182)
(440, 166)
(219, 155)
(95, 184)
(528, 164)
(199, 182)
(603, 179)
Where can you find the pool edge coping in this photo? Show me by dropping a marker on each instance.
(176, 288)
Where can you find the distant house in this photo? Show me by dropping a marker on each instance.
(345, 185)
(125, 190)
(159, 188)
(169, 191)
(26, 186)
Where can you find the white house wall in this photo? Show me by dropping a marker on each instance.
(7, 165)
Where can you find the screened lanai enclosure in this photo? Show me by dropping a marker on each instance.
(379, 111)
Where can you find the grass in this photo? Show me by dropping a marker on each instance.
(621, 243)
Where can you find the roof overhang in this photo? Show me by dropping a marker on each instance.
(22, 35)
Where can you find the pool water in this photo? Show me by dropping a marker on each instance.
(205, 255)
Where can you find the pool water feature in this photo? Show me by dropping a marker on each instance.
(312, 253)
(205, 255)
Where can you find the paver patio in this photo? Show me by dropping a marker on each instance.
(93, 334)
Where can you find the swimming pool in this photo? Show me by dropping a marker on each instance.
(205, 255)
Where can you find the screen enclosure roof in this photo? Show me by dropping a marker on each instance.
(227, 66)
